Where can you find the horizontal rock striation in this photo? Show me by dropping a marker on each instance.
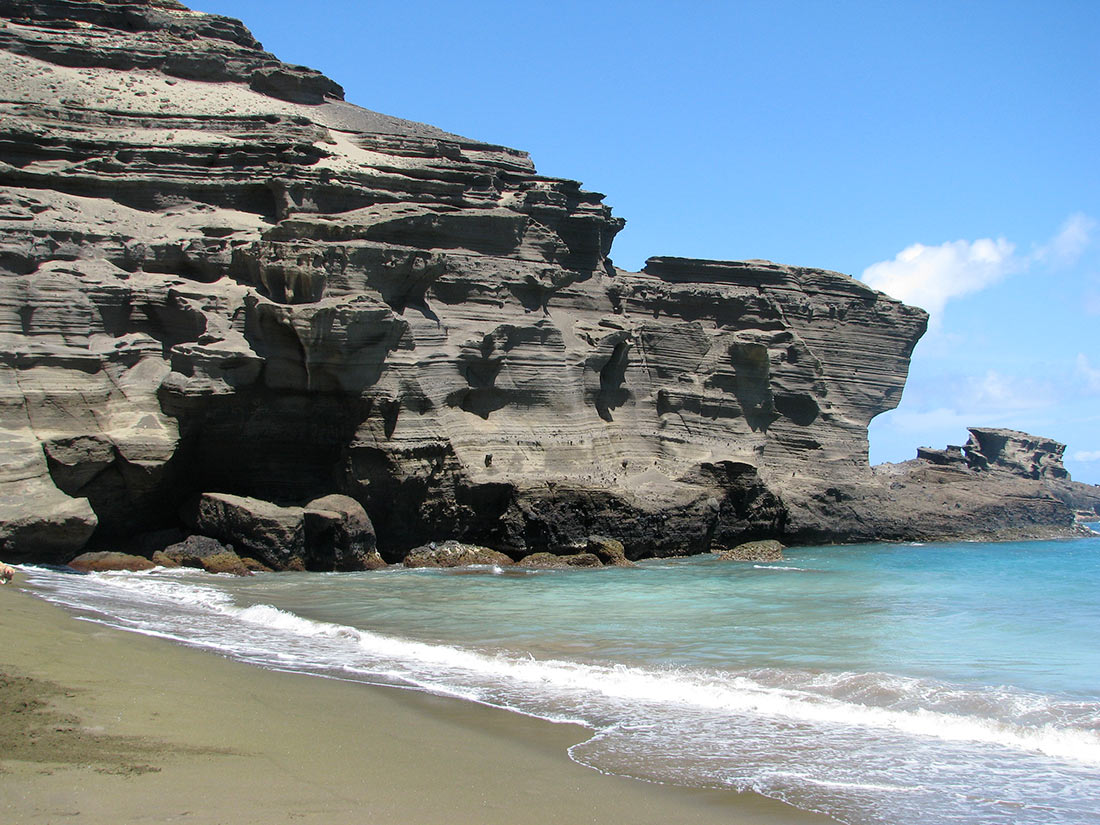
(217, 277)
(1000, 483)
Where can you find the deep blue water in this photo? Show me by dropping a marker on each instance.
(955, 682)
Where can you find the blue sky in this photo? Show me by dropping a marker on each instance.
(947, 153)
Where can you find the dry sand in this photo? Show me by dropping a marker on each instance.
(103, 726)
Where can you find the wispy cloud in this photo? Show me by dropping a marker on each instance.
(1086, 455)
(1087, 372)
(930, 276)
(1092, 296)
(993, 399)
(1070, 242)
(1001, 394)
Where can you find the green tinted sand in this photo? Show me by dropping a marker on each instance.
(102, 726)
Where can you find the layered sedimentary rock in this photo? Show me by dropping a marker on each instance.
(216, 276)
(1001, 482)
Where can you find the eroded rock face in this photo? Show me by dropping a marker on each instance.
(216, 275)
(1021, 454)
(1001, 483)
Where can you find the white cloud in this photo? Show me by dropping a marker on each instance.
(922, 421)
(1001, 394)
(993, 399)
(930, 276)
(1071, 241)
(1088, 373)
(1092, 296)
(1086, 455)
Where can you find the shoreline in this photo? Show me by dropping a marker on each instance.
(107, 726)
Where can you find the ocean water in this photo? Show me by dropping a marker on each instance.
(938, 683)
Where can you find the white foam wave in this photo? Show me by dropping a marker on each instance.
(834, 700)
(840, 743)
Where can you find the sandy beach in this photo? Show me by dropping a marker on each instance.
(103, 726)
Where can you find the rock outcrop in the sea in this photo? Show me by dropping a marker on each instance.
(221, 283)
(764, 550)
(1001, 482)
(100, 561)
(453, 553)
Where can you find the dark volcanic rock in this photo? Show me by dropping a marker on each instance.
(272, 533)
(330, 533)
(765, 550)
(215, 275)
(208, 554)
(339, 535)
(100, 561)
(190, 552)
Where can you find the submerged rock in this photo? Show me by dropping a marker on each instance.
(553, 561)
(766, 550)
(208, 554)
(104, 560)
(609, 551)
(454, 554)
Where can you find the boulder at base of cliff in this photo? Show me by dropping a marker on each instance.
(106, 560)
(271, 533)
(609, 551)
(339, 536)
(329, 533)
(454, 554)
(36, 525)
(768, 550)
(552, 561)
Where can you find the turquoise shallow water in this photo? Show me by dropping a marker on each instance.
(953, 682)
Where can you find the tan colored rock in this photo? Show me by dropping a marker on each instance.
(553, 561)
(101, 561)
(454, 554)
(162, 559)
(766, 550)
(609, 551)
(226, 562)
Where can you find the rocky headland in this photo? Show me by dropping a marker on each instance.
(235, 307)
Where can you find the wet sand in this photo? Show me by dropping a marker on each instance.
(102, 726)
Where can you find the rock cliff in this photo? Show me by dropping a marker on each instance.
(1000, 483)
(216, 276)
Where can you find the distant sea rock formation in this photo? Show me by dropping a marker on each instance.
(1011, 482)
(219, 282)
